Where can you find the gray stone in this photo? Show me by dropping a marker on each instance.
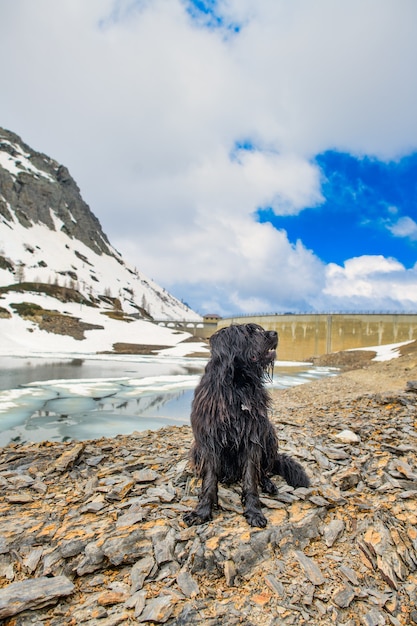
(93, 461)
(32, 559)
(93, 507)
(333, 531)
(163, 545)
(187, 584)
(68, 458)
(126, 548)
(72, 547)
(4, 546)
(140, 601)
(52, 563)
(336, 454)
(349, 574)
(319, 501)
(19, 498)
(343, 597)
(145, 476)
(229, 500)
(310, 568)
(164, 495)
(321, 459)
(167, 570)
(374, 618)
(135, 514)
(156, 610)
(33, 593)
(308, 527)
(92, 560)
(245, 558)
(140, 571)
(121, 488)
(347, 479)
(276, 585)
(230, 572)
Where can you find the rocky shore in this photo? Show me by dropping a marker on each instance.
(92, 532)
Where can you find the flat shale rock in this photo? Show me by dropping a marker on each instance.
(33, 593)
(92, 532)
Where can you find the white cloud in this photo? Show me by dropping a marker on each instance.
(240, 264)
(332, 73)
(370, 282)
(145, 108)
(364, 266)
(405, 227)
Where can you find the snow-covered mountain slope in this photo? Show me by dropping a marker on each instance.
(55, 256)
(25, 336)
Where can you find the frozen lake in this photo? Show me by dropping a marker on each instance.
(73, 398)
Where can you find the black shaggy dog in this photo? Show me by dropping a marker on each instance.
(233, 437)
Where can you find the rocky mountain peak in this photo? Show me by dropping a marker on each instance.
(35, 185)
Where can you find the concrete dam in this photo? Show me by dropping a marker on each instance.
(307, 335)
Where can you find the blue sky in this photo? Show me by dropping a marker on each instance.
(212, 14)
(242, 153)
(369, 208)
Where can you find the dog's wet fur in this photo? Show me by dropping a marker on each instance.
(234, 439)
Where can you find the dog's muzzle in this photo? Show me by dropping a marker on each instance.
(272, 337)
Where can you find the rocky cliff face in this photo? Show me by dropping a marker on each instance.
(33, 185)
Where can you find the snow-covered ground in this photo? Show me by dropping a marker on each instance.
(384, 353)
(19, 337)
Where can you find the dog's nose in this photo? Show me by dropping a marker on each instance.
(273, 334)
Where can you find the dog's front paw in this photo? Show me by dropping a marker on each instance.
(193, 518)
(255, 518)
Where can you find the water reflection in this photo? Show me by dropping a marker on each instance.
(16, 371)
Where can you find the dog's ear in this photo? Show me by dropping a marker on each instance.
(220, 341)
(225, 344)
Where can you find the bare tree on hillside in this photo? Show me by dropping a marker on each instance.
(20, 272)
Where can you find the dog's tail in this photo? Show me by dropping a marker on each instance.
(291, 471)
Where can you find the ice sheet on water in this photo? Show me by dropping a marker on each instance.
(85, 418)
(102, 387)
(74, 387)
(67, 406)
(156, 384)
(18, 404)
(291, 377)
(82, 427)
(89, 408)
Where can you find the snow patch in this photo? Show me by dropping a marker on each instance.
(385, 352)
(20, 163)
